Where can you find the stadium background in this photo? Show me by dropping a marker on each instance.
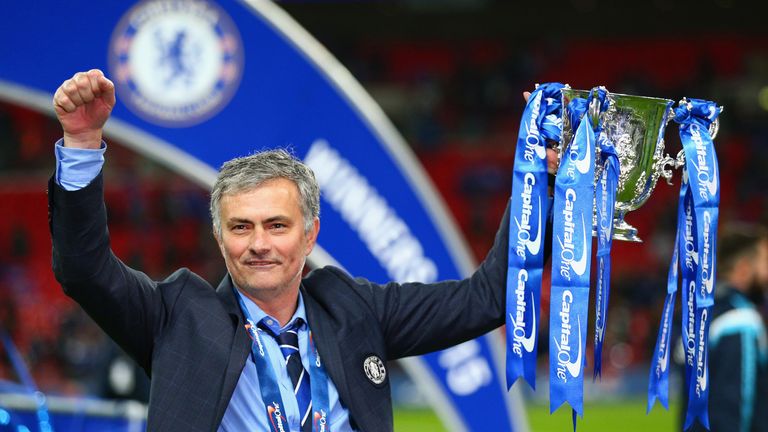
(449, 74)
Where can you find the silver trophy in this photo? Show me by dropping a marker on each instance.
(635, 125)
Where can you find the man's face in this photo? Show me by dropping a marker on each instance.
(761, 265)
(263, 240)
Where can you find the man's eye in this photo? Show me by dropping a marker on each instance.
(279, 226)
(240, 227)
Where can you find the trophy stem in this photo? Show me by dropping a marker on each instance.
(624, 231)
(621, 231)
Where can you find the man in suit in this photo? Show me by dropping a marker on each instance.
(217, 358)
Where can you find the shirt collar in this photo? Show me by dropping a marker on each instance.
(257, 314)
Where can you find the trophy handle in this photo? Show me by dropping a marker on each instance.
(665, 166)
(714, 128)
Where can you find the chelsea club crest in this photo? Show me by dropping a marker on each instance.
(176, 62)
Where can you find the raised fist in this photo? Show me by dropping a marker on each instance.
(83, 104)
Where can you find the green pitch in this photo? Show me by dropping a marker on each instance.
(624, 416)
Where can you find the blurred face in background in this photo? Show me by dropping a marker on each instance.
(760, 279)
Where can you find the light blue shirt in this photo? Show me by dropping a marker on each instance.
(75, 169)
(246, 407)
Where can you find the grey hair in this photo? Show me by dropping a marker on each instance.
(248, 172)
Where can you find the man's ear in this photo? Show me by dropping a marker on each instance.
(312, 236)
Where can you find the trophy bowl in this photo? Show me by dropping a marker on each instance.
(635, 125)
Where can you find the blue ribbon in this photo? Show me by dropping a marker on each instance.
(571, 257)
(270, 391)
(689, 264)
(320, 401)
(605, 200)
(658, 381)
(527, 229)
(695, 116)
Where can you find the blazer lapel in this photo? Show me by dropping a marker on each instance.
(238, 351)
(327, 346)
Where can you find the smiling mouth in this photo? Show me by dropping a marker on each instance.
(261, 263)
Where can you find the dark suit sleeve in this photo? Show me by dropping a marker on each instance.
(123, 301)
(418, 318)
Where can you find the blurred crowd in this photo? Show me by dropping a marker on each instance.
(458, 106)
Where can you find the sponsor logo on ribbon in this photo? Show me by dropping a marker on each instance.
(568, 259)
(524, 239)
(276, 416)
(518, 322)
(599, 327)
(707, 175)
(707, 268)
(606, 214)
(580, 266)
(690, 343)
(320, 421)
(691, 256)
(583, 164)
(564, 356)
(701, 363)
(533, 145)
(663, 353)
(253, 332)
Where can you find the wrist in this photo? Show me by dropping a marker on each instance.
(84, 140)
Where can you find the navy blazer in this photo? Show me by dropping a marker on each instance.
(190, 337)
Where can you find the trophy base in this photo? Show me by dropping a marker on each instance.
(625, 232)
(621, 230)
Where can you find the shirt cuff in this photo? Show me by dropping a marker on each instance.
(75, 167)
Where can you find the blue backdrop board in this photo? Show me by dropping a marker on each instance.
(19, 413)
(200, 82)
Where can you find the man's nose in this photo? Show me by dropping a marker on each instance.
(260, 241)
